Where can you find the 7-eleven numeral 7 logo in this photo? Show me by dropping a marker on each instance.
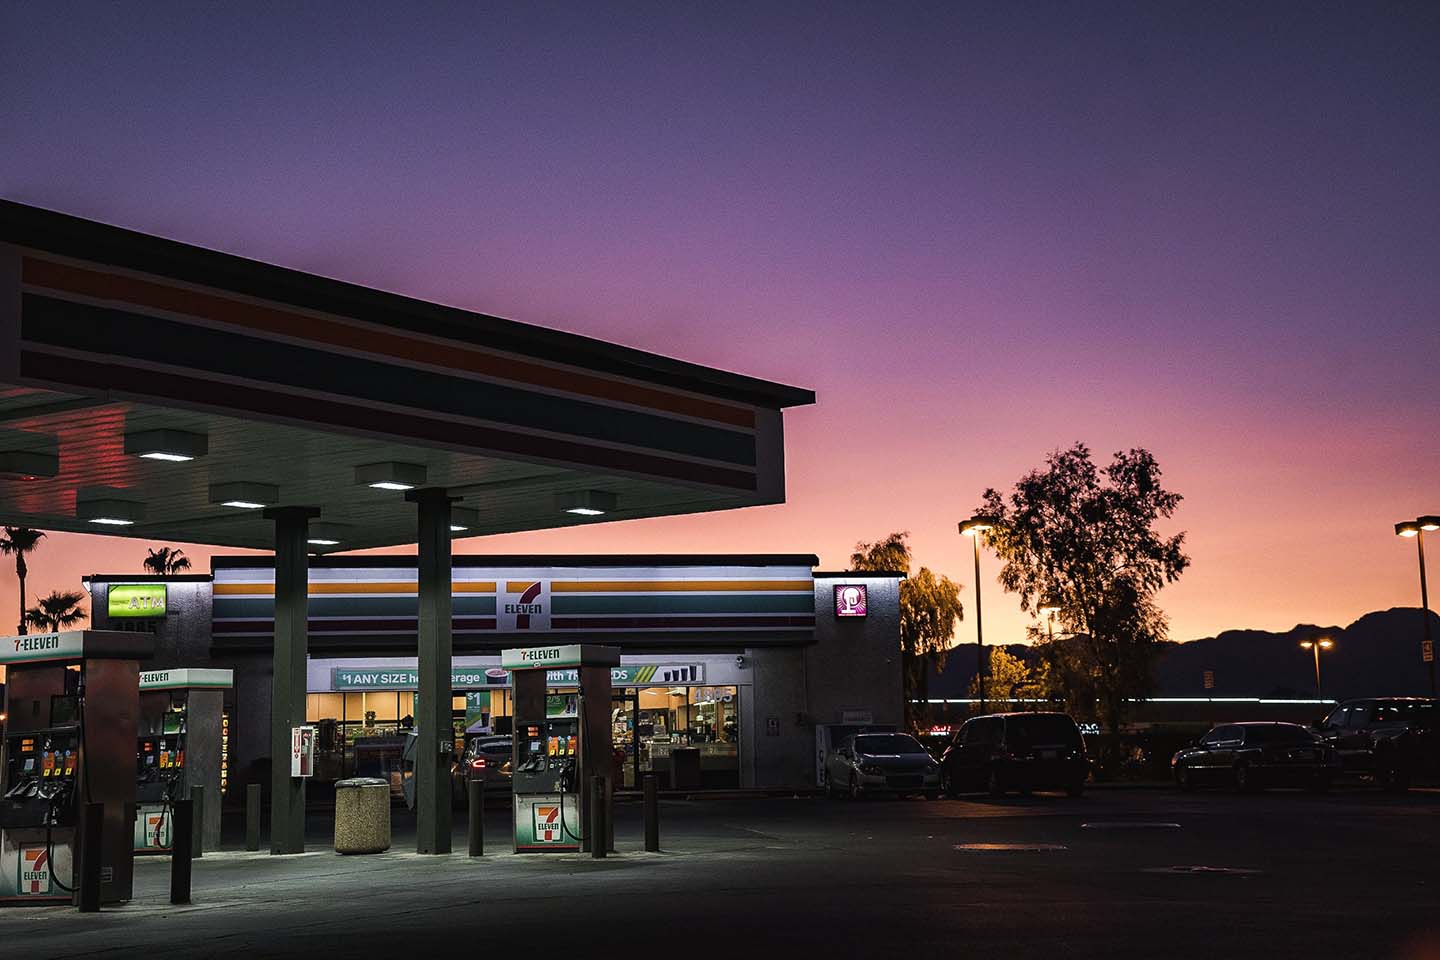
(547, 823)
(34, 871)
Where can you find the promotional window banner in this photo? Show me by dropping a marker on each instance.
(477, 678)
(136, 600)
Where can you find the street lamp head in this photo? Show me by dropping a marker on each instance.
(1326, 644)
(1306, 644)
(1429, 523)
(1407, 528)
(1049, 606)
(977, 525)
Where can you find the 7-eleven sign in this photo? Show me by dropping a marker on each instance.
(34, 871)
(547, 823)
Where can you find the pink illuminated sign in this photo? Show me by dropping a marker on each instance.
(850, 600)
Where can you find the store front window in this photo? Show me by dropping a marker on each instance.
(648, 724)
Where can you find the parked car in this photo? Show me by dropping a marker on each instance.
(484, 758)
(1015, 751)
(871, 763)
(1392, 739)
(1253, 756)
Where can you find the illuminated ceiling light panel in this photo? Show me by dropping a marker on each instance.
(28, 464)
(109, 511)
(463, 518)
(391, 475)
(173, 446)
(586, 503)
(244, 495)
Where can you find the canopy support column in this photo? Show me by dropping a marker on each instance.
(434, 734)
(288, 684)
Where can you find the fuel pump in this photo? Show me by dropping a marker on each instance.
(178, 748)
(560, 741)
(71, 700)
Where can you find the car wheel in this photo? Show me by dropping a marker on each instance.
(854, 788)
(932, 794)
(947, 785)
(995, 786)
(1075, 789)
(1185, 777)
(1245, 778)
(1392, 777)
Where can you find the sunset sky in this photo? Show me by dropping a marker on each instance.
(979, 232)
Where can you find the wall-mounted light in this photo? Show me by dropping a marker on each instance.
(391, 475)
(244, 495)
(110, 511)
(463, 519)
(175, 446)
(586, 503)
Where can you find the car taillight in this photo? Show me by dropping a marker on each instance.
(478, 763)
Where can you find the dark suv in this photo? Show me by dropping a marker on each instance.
(1392, 739)
(1015, 751)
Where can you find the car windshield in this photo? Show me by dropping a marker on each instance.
(1278, 733)
(1041, 728)
(887, 744)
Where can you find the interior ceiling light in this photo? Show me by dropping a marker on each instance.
(28, 464)
(391, 475)
(110, 511)
(586, 503)
(463, 518)
(175, 446)
(244, 495)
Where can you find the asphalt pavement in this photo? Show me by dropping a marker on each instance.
(1116, 873)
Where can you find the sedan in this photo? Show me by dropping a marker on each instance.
(1253, 756)
(487, 759)
(872, 763)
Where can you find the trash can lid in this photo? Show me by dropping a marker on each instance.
(361, 782)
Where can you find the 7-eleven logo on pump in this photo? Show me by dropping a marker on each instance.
(34, 871)
(547, 823)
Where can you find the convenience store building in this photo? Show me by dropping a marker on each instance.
(740, 657)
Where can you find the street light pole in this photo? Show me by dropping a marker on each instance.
(1315, 646)
(1417, 529)
(972, 528)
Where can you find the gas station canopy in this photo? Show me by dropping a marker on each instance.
(163, 391)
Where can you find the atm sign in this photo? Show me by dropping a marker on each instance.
(137, 600)
(34, 871)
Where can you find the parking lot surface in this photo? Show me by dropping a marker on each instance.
(1117, 873)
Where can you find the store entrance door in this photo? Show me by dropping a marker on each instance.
(624, 724)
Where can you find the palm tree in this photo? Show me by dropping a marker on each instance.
(57, 611)
(20, 541)
(166, 560)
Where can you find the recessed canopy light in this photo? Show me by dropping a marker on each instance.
(463, 519)
(244, 495)
(586, 503)
(111, 511)
(174, 446)
(326, 534)
(391, 475)
(28, 464)
(322, 542)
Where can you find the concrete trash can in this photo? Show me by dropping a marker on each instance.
(362, 815)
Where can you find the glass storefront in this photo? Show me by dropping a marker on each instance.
(649, 723)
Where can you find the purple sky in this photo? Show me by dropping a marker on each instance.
(978, 231)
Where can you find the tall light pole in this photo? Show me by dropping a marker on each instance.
(1417, 528)
(972, 528)
(1316, 646)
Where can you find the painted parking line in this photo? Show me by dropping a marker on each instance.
(1205, 871)
(1130, 825)
(1009, 847)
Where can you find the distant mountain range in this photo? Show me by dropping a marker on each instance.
(1379, 654)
